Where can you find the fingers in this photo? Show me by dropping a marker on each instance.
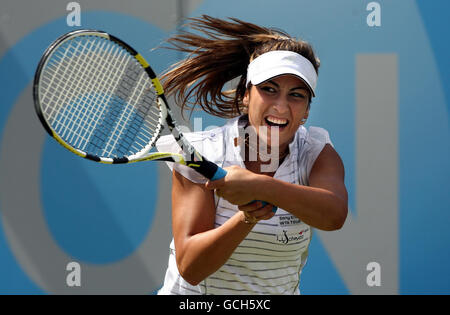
(263, 213)
(211, 185)
(254, 205)
(253, 213)
(267, 216)
(249, 219)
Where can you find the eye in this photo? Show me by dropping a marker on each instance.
(298, 95)
(268, 89)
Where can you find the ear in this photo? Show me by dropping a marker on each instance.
(246, 99)
(305, 117)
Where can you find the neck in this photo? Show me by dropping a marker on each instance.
(263, 153)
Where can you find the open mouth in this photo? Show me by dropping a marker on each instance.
(276, 122)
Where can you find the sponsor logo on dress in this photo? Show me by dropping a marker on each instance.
(291, 236)
(288, 220)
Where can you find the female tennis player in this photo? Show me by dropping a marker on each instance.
(225, 239)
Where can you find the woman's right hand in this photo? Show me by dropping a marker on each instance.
(255, 211)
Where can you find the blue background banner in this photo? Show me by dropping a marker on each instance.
(115, 220)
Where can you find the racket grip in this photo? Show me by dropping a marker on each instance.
(274, 208)
(221, 173)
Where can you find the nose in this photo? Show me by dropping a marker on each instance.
(281, 104)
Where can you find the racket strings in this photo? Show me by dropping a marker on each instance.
(98, 98)
(72, 66)
(94, 100)
(95, 108)
(135, 133)
(73, 119)
(128, 121)
(113, 121)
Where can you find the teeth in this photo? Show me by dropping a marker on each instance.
(277, 121)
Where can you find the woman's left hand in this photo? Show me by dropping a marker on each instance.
(238, 187)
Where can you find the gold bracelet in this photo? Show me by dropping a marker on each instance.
(248, 219)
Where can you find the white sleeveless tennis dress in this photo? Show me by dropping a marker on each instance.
(271, 258)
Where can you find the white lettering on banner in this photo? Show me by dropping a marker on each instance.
(374, 17)
(74, 17)
(375, 227)
(73, 278)
(374, 277)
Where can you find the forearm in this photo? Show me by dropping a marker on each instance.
(204, 253)
(316, 207)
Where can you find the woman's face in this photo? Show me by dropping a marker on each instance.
(281, 102)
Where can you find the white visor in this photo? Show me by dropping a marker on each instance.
(278, 62)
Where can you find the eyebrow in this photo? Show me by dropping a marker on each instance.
(295, 88)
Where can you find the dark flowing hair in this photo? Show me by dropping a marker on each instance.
(219, 52)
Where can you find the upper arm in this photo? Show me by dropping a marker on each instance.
(193, 210)
(328, 173)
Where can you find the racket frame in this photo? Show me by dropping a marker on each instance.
(191, 157)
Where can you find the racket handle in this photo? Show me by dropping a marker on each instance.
(221, 173)
(274, 208)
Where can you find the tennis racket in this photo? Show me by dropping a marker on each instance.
(101, 100)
